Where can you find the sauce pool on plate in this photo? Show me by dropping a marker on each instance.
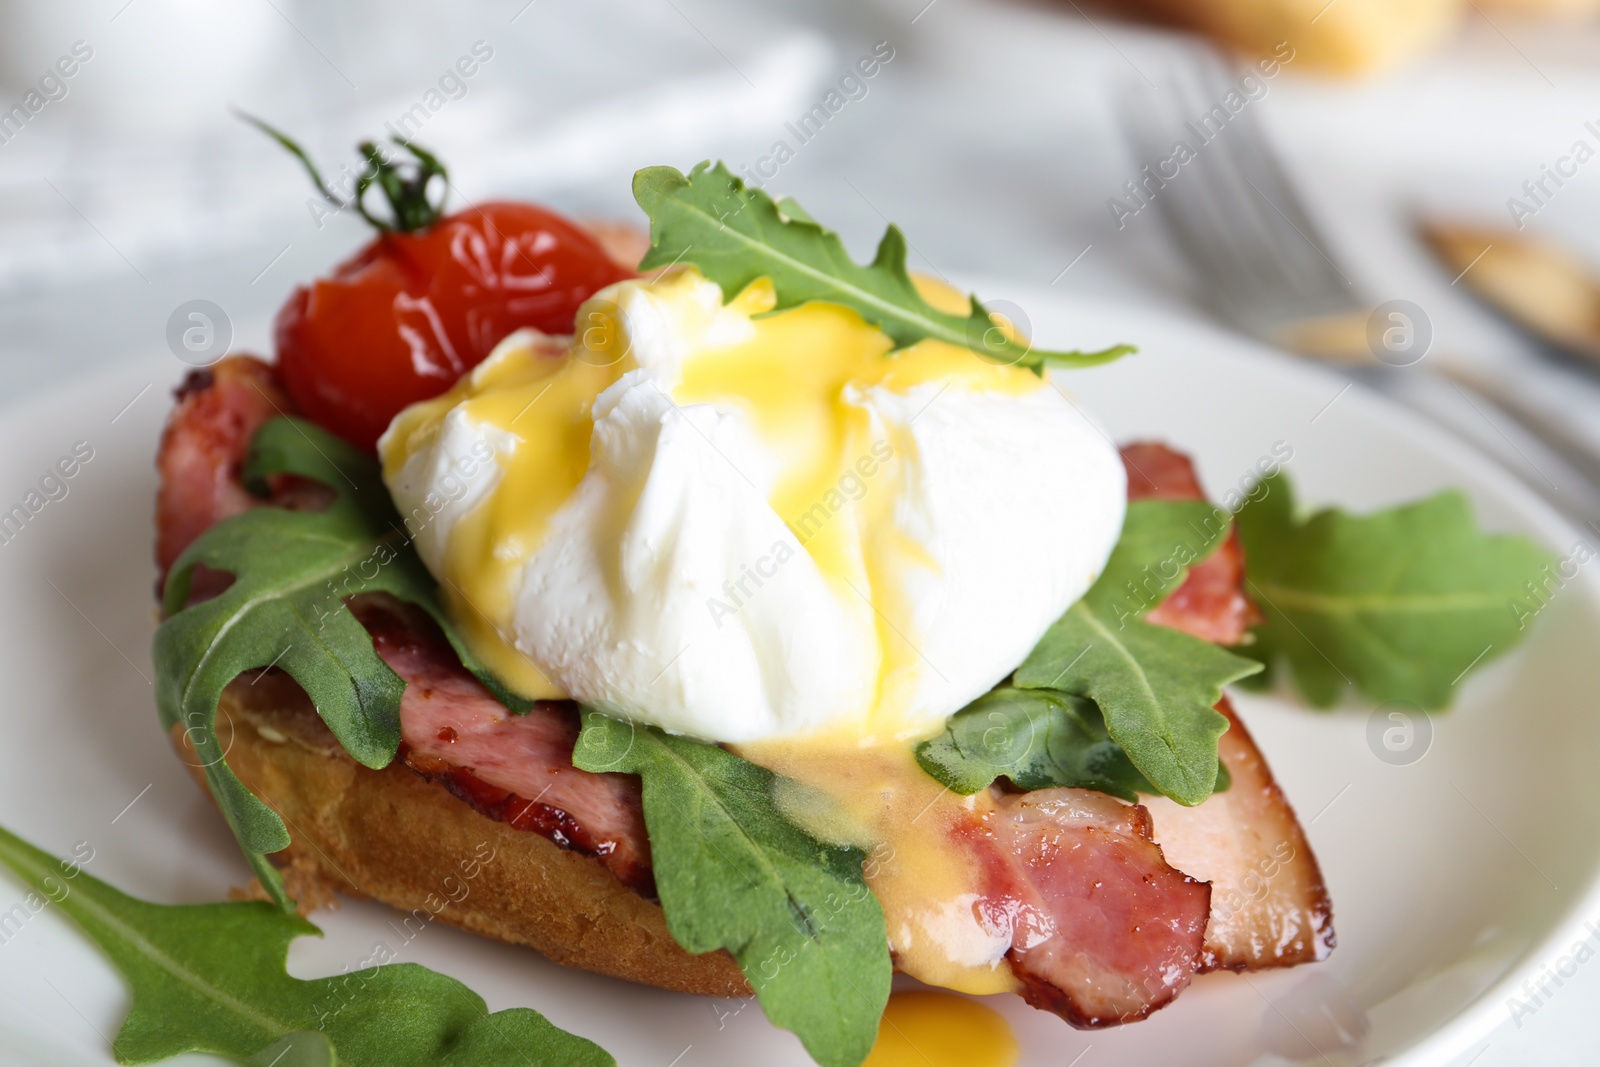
(923, 1028)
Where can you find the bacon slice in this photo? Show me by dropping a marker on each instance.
(513, 768)
(1103, 930)
(1270, 907)
(207, 436)
(1211, 603)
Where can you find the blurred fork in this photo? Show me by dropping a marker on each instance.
(1261, 263)
(1230, 210)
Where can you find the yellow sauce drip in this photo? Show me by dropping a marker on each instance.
(876, 796)
(545, 403)
(795, 378)
(922, 1028)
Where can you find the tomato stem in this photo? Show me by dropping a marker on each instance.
(405, 184)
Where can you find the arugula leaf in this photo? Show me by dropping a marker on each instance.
(1106, 700)
(735, 234)
(1400, 603)
(292, 571)
(1156, 687)
(790, 208)
(733, 873)
(211, 978)
(1159, 542)
(1038, 738)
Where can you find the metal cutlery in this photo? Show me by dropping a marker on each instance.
(1262, 266)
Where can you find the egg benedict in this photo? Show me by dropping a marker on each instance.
(705, 617)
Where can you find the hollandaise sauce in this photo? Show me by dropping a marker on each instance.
(924, 1028)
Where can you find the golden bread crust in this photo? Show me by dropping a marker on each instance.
(394, 837)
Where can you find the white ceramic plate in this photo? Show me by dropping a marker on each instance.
(1453, 877)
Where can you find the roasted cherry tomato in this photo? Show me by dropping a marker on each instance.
(411, 312)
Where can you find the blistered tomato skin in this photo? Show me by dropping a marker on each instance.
(410, 313)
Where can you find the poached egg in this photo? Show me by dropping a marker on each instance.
(743, 525)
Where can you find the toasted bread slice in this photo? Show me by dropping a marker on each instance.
(392, 836)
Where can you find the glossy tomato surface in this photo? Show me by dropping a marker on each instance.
(410, 313)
